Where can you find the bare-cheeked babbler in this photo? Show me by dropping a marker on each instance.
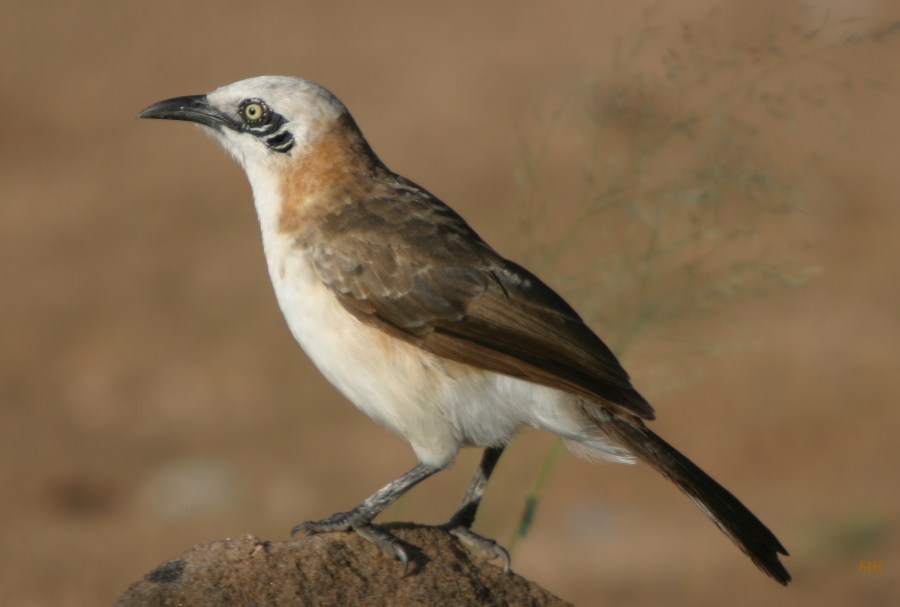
(420, 323)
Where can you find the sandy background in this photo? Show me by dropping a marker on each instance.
(152, 398)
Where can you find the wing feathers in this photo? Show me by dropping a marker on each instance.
(406, 263)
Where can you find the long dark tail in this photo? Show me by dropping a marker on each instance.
(729, 514)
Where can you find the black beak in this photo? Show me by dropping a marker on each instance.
(193, 108)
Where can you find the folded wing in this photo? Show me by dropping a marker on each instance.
(404, 262)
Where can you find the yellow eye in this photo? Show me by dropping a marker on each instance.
(253, 111)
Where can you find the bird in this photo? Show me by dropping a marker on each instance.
(423, 326)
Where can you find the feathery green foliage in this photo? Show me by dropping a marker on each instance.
(687, 184)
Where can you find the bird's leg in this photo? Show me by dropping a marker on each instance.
(460, 523)
(360, 518)
(465, 516)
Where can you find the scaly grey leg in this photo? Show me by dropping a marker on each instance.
(460, 523)
(465, 516)
(360, 518)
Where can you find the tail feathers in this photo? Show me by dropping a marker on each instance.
(729, 514)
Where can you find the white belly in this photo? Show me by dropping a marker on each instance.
(398, 385)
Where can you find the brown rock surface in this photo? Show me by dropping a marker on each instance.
(339, 569)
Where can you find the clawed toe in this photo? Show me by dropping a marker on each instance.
(311, 526)
(347, 521)
(389, 544)
(341, 521)
(483, 547)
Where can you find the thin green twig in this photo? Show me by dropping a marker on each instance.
(532, 499)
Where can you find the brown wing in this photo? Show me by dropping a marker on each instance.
(407, 264)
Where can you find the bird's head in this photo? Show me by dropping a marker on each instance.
(262, 121)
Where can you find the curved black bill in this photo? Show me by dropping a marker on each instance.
(193, 108)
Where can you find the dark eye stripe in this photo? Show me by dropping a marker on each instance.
(270, 123)
(268, 127)
(281, 142)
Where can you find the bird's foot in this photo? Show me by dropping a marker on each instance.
(390, 545)
(359, 522)
(482, 547)
(339, 521)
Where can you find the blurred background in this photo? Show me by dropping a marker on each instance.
(152, 398)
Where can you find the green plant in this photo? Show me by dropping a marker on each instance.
(688, 176)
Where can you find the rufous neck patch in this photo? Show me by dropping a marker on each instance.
(335, 168)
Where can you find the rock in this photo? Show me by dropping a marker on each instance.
(333, 569)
